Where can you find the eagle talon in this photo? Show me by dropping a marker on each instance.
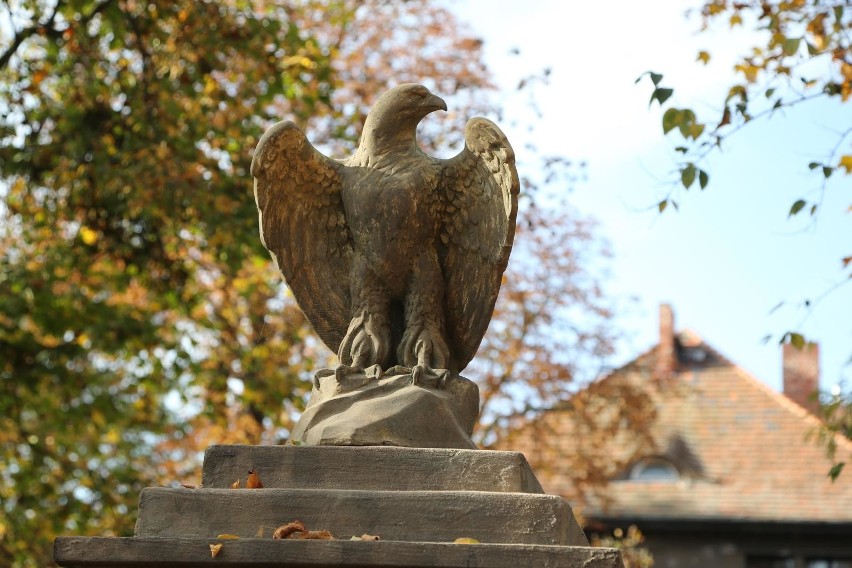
(427, 377)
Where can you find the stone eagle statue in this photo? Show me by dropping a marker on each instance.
(395, 257)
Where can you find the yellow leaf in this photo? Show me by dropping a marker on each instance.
(703, 57)
(215, 548)
(736, 20)
(846, 163)
(88, 235)
(465, 540)
(227, 536)
(112, 436)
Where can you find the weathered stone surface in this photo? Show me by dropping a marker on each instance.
(419, 516)
(396, 258)
(377, 468)
(195, 552)
(394, 409)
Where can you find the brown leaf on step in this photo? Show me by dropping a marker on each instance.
(259, 533)
(253, 481)
(370, 537)
(187, 486)
(284, 531)
(465, 540)
(236, 484)
(215, 548)
(227, 536)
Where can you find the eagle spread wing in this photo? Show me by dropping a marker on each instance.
(298, 194)
(480, 190)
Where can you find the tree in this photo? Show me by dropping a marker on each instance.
(140, 319)
(806, 56)
(835, 412)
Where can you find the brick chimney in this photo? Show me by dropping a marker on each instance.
(667, 349)
(801, 374)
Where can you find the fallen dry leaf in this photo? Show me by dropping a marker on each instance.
(187, 486)
(253, 481)
(367, 537)
(227, 536)
(215, 548)
(284, 531)
(236, 484)
(259, 533)
(465, 540)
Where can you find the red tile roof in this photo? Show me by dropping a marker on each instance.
(745, 452)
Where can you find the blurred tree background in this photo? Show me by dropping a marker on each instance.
(140, 318)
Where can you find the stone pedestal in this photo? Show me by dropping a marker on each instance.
(417, 500)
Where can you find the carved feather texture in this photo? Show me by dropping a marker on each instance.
(481, 188)
(297, 190)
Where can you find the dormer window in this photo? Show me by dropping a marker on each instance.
(654, 469)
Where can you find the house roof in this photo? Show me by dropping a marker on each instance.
(744, 451)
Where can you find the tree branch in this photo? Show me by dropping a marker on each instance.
(22, 35)
(47, 27)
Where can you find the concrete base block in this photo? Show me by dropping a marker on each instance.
(79, 552)
(379, 468)
(417, 500)
(415, 516)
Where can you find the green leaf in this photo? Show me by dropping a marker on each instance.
(814, 165)
(660, 94)
(687, 125)
(687, 176)
(655, 77)
(769, 92)
(682, 149)
(838, 14)
(814, 208)
(671, 118)
(835, 470)
(695, 130)
(797, 340)
(703, 179)
(827, 171)
(791, 45)
(737, 91)
(797, 206)
(661, 206)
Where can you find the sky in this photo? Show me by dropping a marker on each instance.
(730, 255)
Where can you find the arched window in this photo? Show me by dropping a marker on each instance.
(654, 469)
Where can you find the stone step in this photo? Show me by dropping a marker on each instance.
(418, 516)
(85, 552)
(370, 468)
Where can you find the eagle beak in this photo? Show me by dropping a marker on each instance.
(433, 103)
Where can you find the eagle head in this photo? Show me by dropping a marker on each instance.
(396, 114)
